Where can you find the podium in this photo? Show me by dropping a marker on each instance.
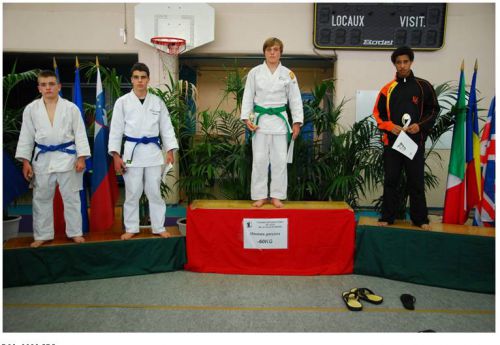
(320, 238)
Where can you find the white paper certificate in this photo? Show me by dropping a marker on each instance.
(289, 157)
(167, 168)
(405, 145)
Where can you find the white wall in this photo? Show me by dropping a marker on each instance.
(242, 28)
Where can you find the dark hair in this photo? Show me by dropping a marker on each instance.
(139, 66)
(402, 51)
(271, 42)
(45, 73)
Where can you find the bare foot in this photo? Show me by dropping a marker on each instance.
(127, 235)
(164, 234)
(37, 244)
(382, 223)
(78, 239)
(259, 203)
(277, 203)
(425, 227)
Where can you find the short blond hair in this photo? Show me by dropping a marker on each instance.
(271, 42)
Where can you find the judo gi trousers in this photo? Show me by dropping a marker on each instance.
(269, 149)
(394, 162)
(137, 180)
(70, 183)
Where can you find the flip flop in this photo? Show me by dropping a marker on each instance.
(351, 301)
(368, 295)
(408, 301)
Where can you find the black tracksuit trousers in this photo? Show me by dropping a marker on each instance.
(394, 162)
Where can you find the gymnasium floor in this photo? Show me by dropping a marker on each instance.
(184, 301)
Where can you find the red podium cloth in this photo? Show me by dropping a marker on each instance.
(320, 241)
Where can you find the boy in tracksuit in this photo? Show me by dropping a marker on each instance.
(406, 94)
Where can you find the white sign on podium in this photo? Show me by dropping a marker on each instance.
(265, 233)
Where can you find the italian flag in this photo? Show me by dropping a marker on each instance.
(455, 204)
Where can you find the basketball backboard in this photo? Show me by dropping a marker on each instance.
(191, 21)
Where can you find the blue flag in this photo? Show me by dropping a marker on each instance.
(56, 70)
(78, 100)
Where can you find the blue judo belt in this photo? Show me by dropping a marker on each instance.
(143, 140)
(52, 148)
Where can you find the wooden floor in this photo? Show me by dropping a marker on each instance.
(24, 242)
(436, 227)
(247, 204)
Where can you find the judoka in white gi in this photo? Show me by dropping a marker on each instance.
(140, 118)
(269, 87)
(54, 128)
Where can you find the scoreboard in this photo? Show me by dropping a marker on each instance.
(379, 25)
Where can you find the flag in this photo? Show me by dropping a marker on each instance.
(57, 203)
(472, 148)
(13, 182)
(455, 204)
(78, 100)
(485, 213)
(104, 191)
(56, 70)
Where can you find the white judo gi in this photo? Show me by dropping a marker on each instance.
(144, 169)
(269, 144)
(54, 166)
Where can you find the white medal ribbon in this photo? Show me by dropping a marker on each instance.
(406, 120)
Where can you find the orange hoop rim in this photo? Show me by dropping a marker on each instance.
(170, 45)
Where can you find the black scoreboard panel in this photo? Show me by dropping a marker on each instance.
(379, 25)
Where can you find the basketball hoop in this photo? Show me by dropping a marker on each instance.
(169, 45)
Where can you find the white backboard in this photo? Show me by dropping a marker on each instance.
(191, 21)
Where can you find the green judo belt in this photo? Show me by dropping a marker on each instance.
(273, 111)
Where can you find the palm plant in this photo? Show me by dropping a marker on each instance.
(236, 158)
(12, 117)
(180, 98)
(351, 161)
(234, 86)
(333, 165)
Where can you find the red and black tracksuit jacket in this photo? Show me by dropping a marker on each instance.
(411, 95)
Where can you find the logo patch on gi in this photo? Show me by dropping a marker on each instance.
(292, 76)
(415, 99)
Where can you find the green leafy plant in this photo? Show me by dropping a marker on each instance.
(180, 98)
(12, 117)
(334, 165)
